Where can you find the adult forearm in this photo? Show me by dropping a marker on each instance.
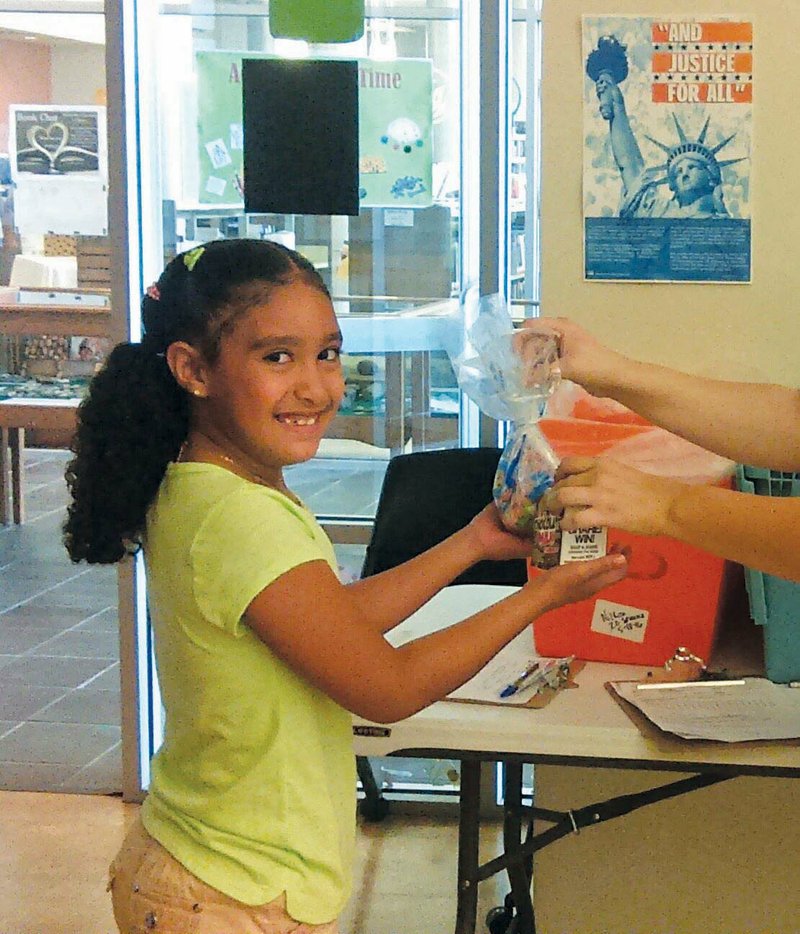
(761, 532)
(751, 423)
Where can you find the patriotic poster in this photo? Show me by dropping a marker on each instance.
(668, 110)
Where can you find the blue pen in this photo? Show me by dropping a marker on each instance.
(553, 674)
(519, 682)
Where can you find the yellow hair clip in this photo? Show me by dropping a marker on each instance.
(190, 259)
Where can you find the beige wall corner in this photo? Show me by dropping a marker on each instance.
(740, 331)
(721, 860)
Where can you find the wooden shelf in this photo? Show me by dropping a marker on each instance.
(63, 320)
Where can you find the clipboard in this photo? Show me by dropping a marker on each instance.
(486, 686)
(745, 710)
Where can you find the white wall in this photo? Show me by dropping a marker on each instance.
(724, 860)
(78, 73)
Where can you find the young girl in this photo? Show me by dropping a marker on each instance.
(262, 653)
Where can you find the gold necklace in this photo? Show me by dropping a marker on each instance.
(240, 469)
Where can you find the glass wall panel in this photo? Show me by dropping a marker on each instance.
(54, 268)
(394, 270)
(524, 149)
(59, 636)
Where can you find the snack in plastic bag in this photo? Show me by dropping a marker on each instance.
(524, 475)
(510, 374)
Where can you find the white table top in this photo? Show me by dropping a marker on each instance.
(584, 726)
(45, 403)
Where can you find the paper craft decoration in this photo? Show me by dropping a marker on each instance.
(396, 133)
(300, 136)
(317, 20)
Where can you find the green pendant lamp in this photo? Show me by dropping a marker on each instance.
(317, 20)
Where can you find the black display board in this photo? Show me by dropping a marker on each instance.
(300, 136)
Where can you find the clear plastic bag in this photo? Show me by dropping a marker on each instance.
(510, 374)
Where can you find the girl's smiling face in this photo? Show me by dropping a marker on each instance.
(277, 382)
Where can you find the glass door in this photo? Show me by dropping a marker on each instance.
(395, 270)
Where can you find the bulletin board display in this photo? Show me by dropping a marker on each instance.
(395, 122)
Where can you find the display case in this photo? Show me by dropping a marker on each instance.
(39, 394)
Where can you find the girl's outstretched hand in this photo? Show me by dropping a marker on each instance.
(600, 491)
(493, 540)
(578, 580)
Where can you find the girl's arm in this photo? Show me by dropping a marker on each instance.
(386, 599)
(752, 423)
(328, 636)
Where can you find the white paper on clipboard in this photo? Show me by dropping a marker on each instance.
(455, 603)
(504, 668)
(757, 709)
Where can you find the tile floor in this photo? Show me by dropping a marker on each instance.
(59, 707)
(56, 850)
(59, 668)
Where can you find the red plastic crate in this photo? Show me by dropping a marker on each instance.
(671, 594)
(668, 599)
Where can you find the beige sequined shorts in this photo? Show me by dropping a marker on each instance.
(152, 892)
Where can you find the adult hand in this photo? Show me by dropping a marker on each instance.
(602, 492)
(494, 541)
(579, 580)
(582, 358)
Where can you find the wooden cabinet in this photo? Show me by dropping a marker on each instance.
(88, 320)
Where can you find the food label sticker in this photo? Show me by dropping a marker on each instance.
(583, 544)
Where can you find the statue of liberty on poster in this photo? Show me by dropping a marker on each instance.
(667, 118)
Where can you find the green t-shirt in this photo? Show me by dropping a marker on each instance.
(253, 789)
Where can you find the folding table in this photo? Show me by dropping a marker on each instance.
(582, 727)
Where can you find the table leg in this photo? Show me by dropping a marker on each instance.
(5, 490)
(519, 868)
(468, 837)
(17, 439)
